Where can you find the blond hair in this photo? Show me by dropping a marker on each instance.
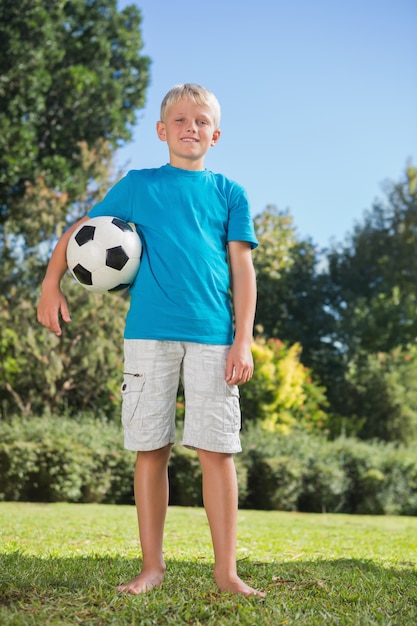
(198, 94)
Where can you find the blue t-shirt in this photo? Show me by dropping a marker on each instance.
(185, 219)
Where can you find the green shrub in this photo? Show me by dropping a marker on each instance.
(324, 483)
(282, 393)
(384, 390)
(273, 483)
(345, 475)
(242, 479)
(184, 478)
(400, 488)
(56, 460)
(18, 460)
(83, 460)
(273, 472)
(363, 466)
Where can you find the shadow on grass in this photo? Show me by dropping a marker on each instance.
(83, 590)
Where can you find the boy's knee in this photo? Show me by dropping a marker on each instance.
(213, 457)
(160, 454)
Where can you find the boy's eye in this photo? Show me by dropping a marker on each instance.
(181, 120)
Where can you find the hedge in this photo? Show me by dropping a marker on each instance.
(83, 460)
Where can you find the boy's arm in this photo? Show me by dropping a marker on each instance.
(239, 366)
(52, 302)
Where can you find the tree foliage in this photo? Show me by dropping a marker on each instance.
(71, 75)
(282, 394)
(277, 238)
(81, 369)
(351, 308)
(371, 288)
(72, 79)
(291, 286)
(373, 275)
(383, 390)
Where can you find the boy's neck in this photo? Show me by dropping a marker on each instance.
(187, 164)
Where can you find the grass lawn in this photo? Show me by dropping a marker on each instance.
(60, 564)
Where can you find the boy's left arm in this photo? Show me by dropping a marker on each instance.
(239, 366)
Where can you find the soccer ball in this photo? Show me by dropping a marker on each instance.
(103, 254)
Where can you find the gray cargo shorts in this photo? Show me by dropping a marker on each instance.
(152, 372)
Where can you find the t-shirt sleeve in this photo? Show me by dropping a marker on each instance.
(240, 225)
(117, 202)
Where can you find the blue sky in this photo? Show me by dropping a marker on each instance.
(319, 98)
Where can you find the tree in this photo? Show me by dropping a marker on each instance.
(361, 305)
(79, 371)
(291, 289)
(71, 75)
(276, 235)
(383, 391)
(72, 79)
(371, 291)
(282, 395)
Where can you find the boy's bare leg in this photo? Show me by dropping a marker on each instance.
(221, 503)
(151, 496)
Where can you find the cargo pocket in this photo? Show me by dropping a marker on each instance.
(232, 419)
(131, 389)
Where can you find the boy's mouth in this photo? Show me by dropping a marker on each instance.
(189, 139)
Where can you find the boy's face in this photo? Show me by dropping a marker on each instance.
(189, 130)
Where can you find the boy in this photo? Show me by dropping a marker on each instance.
(192, 223)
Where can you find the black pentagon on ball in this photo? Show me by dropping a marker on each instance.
(116, 258)
(119, 287)
(85, 234)
(82, 275)
(124, 226)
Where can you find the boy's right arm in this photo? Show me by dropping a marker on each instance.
(52, 302)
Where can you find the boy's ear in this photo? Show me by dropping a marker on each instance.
(216, 137)
(160, 130)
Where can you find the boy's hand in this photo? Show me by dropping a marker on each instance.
(239, 364)
(52, 304)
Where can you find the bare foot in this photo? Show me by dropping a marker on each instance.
(236, 585)
(145, 581)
